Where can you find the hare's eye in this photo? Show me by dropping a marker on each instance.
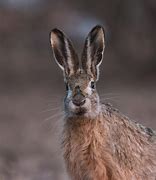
(92, 84)
(67, 87)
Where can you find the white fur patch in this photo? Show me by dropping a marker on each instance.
(103, 42)
(88, 63)
(72, 107)
(88, 90)
(91, 113)
(69, 95)
(54, 42)
(69, 58)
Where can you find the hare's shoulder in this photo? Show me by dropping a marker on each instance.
(110, 111)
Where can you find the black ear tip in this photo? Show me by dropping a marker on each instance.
(97, 28)
(56, 32)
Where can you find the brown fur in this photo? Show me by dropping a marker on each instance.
(99, 143)
(110, 147)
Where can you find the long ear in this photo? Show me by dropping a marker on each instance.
(64, 52)
(93, 51)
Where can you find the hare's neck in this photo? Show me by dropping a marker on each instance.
(83, 129)
(83, 148)
(102, 144)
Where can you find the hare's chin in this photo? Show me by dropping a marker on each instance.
(80, 111)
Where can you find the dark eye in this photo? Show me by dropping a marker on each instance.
(92, 84)
(67, 87)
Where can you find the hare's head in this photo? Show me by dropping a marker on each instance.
(80, 76)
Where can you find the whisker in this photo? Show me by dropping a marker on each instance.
(50, 124)
(110, 99)
(54, 125)
(110, 94)
(51, 109)
(54, 103)
(53, 116)
(113, 97)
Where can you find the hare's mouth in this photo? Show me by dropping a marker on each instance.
(80, 110)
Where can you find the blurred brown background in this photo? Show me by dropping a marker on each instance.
(32, 88)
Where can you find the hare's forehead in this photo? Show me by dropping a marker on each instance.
(79, 80)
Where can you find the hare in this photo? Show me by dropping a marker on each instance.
(99, 143)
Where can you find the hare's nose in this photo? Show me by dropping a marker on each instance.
(79, 100)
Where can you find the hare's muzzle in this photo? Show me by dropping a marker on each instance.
(79, 100)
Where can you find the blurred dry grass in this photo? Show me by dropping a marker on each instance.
(32, 83)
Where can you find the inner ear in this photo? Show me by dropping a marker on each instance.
(64, 52)
(93, 51)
